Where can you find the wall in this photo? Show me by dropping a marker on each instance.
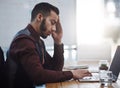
(15, 15)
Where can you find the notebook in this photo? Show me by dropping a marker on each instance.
(73, 67)
(114, 67)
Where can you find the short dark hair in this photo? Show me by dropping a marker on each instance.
(43, 8)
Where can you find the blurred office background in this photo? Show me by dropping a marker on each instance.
(91, 27)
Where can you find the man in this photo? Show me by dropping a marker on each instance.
(28, 62)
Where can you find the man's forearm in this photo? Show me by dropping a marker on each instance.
(58, 56)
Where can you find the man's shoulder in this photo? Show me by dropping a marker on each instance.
(23, 34)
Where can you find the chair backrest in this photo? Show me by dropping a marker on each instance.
(3, 80)
(2, 61)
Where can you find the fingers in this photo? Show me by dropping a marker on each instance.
(80, 73)
(85, 73)
(88, 73)
(58, 27)
(58, 34)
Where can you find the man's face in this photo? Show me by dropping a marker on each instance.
(48, 25)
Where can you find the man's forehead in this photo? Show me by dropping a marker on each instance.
(53, 16)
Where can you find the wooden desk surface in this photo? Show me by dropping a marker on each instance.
(76, 84)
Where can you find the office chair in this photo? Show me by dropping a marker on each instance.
(2, 70)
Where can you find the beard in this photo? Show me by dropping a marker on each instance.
(43, 29)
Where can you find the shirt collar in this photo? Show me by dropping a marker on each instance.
(33, 32)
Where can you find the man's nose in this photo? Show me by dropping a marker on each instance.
(54, 28)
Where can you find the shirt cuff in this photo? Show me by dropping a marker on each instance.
(59, 47)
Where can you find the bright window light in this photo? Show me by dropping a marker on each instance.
(111, 7)
(90, 21)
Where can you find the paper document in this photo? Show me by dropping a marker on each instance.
(76, 67)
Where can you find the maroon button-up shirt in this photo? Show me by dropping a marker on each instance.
(30, 69)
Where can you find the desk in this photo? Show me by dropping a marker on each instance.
(76, 84)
